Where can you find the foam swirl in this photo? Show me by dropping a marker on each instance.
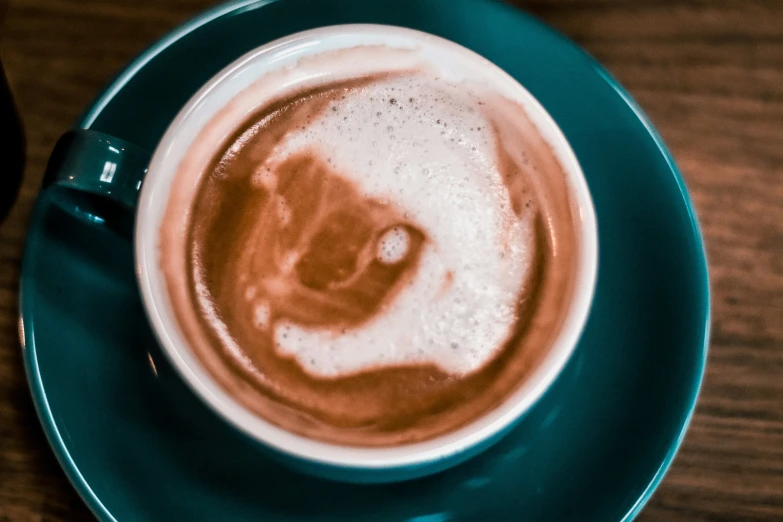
(369, 262)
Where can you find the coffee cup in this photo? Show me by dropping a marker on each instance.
(108, 180)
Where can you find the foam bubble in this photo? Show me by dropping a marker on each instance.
(393, 245)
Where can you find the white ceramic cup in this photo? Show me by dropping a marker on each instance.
(359, 464)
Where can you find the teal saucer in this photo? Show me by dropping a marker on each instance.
(138, 445)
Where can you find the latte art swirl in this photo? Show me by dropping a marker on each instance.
(321, 257)
(359, 260)
(372, 260)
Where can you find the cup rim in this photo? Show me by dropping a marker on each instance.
(443, 446)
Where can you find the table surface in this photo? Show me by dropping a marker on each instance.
(710, 76)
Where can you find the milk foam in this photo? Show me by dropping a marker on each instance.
(393, 246)
(424, 145)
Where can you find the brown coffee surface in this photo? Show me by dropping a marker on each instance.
(299, 237)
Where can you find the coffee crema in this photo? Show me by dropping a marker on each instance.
(370, 260)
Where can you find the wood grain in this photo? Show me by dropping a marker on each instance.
(708, 73)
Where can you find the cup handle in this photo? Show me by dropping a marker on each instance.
(97, 177)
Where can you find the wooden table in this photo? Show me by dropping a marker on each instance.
(708, 73)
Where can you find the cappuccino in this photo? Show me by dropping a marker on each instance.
(376, 254)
